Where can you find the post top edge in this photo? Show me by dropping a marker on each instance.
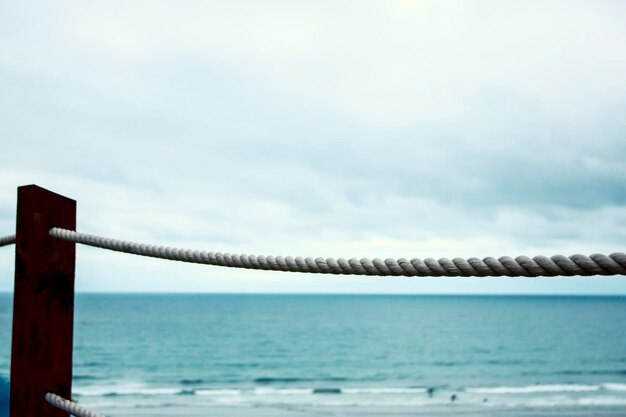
(33, 188)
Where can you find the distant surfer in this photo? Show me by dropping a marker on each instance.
(430, 391)
(453, 398)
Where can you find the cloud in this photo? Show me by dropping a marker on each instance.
(378, 129)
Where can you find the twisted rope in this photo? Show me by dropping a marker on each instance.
(7, 240)
(614, 264)
(70, 407)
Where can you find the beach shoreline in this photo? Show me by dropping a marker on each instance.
(300, 411)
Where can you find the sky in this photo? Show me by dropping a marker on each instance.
(343, 129)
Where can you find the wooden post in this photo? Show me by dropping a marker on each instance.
(43, 306)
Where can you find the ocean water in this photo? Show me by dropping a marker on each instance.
(309, 354)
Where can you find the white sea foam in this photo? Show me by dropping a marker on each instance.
(283, 391)
(531, 389)
(614, 386)
(218, 392)
(232, 400)
(605, 400)
(308, 391)
(124, 389)
(383, 390)
(546, 395)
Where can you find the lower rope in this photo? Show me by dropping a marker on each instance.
(521, 266)
(71, 407)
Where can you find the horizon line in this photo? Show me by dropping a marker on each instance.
(345, 294)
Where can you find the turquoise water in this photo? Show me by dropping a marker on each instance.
(244, 351)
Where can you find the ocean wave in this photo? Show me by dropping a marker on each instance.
(218, 392)
(602, 401)
(563, 401)
(290, 380)
(91, 364)
(125, 389)
(447, 364)
(614, 386)
(159, 405)
(327, 391)
(384, 390)
(143, 390)
(84, 378)
(191, 381)
(283, 391)
(310, 391)
(255, 391)
(532, 389)
(592, 372)
(550, 401)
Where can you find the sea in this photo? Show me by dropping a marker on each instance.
(353, 355)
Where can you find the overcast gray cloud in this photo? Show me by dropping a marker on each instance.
(388, 129)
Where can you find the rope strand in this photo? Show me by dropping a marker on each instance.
(7, 240)
(521, 266)
(70, 407)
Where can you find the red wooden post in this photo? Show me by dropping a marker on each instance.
(43, 306)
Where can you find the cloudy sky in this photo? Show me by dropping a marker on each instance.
(344, 129)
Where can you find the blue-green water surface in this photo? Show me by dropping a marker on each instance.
(344, 351)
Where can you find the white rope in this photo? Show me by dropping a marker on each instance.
(71, 407)
(614, 264)
(7, 240)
